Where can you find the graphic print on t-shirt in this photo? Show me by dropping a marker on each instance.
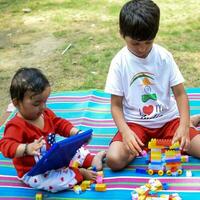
(150, 106)
(51, 139)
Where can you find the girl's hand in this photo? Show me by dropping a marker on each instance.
(182, 135)
(34, 147)
(132, 142)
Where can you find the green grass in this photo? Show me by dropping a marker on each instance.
(91, 26)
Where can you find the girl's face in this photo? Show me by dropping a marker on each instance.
(140, 49)
(33, 105)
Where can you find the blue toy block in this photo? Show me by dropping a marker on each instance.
(141, 170)
(175, 160)
(165, 186)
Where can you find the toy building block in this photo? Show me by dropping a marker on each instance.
(74, 164)
(86, 183)
(38, 196)
(164, 197)
(164, 142)
(165, 186)
(143, 153)
(83, 188)
(156, 185)
(140, 170)
(152, 144)
(100, 173)
(100, 187)
(77, 189)
(142, 197)
(99, 179)
(188, 173)
(142, 190)
(93, 168)
(184, 158)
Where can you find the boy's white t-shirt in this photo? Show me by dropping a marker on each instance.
(145, 84)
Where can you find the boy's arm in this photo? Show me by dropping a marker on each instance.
(182, 133)
(131, 141)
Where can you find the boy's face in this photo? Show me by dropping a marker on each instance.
(140, 49)
(33, 105)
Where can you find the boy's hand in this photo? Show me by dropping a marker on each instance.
(132, 142)
(182, 135)
(33, 148)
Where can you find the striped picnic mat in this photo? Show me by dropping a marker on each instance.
(91, 109)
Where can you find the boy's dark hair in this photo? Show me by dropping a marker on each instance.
(27, 79)
(139, 19)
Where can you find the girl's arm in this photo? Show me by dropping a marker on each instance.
(30, 148)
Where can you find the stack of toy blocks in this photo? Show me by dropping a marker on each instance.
(99, 186)
(164, 157)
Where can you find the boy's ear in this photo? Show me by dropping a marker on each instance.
(15, 102)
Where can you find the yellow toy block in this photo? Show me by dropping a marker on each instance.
(184, 158)
(77, 189)
(86, 183)
(74, 164)
(153, 144)
(176, 145)
(142, 197)
(100, 187)
(38, 196)
(83, 187)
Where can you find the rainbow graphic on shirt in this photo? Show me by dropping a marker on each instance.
(145, 76)
(147, 81)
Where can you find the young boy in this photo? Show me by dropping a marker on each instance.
(140, 79)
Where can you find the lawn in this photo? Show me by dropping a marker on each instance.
(39, 38)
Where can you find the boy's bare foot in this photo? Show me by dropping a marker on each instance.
(98, 160)
(88, 174)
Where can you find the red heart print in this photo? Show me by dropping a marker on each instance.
(148, 109)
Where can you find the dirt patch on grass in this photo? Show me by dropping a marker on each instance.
(17, 50)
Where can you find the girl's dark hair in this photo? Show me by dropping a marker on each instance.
(27, 79)
(139, 19)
